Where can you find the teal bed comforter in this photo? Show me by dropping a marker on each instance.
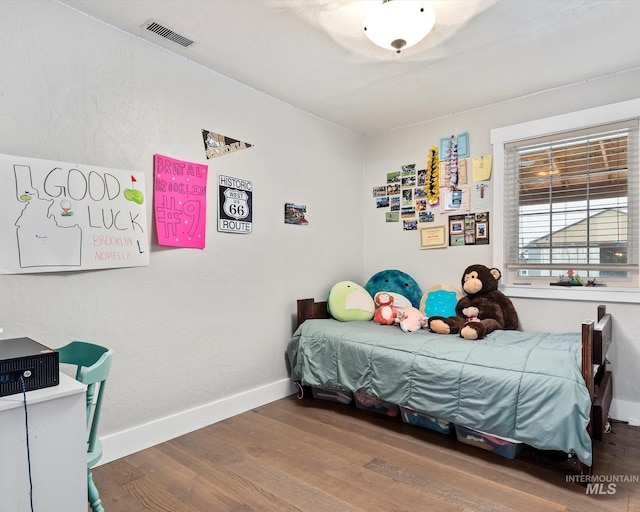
(522, 385)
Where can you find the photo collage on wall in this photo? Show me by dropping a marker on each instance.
(445, 187)
(405, 197)
(469, 229)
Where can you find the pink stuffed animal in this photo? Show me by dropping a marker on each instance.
(411, 319)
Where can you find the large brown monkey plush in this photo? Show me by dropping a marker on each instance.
(495, 309)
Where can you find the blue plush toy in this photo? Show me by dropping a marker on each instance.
(398, 284)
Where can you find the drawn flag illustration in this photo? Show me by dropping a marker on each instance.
(216, 145)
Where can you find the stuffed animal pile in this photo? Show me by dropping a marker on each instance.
(398, 300)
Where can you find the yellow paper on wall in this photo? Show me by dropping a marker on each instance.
(482, 168)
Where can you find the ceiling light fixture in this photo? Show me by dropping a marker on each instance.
(399, 24)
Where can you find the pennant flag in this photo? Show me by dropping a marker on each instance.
(216, 145)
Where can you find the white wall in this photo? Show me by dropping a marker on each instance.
(388, 246)
(195, 328)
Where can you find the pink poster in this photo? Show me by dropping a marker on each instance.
(180, 202)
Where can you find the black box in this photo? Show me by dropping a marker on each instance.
(25, 360)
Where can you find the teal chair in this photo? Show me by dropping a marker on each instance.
(92, 369)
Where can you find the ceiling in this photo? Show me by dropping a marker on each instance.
(313, 54)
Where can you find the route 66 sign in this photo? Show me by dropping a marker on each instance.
(234, 204)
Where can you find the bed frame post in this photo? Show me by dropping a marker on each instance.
(587, 375)
(587, 361)
(602, 310)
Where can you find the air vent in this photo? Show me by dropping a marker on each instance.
(167, 33)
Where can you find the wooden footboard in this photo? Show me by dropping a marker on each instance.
(596, 339)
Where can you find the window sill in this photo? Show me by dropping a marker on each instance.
(574, 293)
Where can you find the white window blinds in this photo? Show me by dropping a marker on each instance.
(571, 201)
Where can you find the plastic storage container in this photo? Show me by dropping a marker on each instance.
(420, 419)
(504, 446)
(375, 404)
(334, 395)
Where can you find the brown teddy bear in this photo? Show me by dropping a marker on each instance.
(494, 309)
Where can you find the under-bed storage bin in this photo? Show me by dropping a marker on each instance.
(375, 404)
(421, 419)
(334, 395)
(504, 446)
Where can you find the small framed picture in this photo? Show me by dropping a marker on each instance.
(444, 148)
(463, 145)
(433, 237)
(456, 227)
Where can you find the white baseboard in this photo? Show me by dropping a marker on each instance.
(144, 436)
(625, 411)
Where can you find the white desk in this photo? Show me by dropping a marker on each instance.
(57, 442)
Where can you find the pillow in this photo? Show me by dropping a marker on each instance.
(349, 302)
(440, 300)
(405, 290)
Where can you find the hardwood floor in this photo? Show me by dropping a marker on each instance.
(314, 455)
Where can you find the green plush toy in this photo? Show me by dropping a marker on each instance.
(348, 302)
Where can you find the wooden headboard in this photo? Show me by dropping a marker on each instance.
(308, 308)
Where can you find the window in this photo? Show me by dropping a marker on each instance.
(569, 201)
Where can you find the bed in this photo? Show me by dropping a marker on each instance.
(551, 391)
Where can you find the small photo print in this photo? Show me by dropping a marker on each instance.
(409, 225)
(408, 169)
(392, 216)
(393, 177)
(408, 211)
(422, 177)
(407, 196)
(394, 203)
(469, 238)
(425, 217)
(382, 202)
(393, 189)
(481, 230)
(469, 222)
(295, 214)
(456, 240)
(379, 191)
(456, 227)
(409, 181)
(421, 205)
(419, 192)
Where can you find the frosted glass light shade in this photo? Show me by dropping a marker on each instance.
(399, 24)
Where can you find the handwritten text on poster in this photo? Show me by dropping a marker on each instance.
(57, 216)
(180, 202)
